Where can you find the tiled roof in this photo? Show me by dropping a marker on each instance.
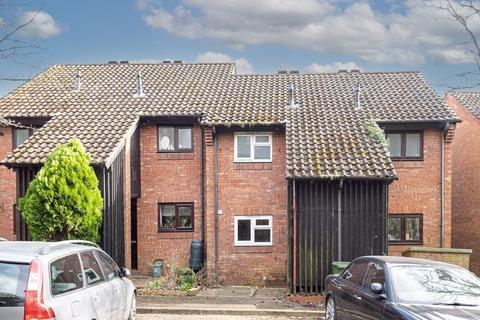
(469, 100)
(326, 135)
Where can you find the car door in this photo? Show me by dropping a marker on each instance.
(66, 288)
(97, 288)
(370, 304)
(116, 284)
(346, 287)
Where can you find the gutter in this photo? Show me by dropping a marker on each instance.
(215, 197)
(442, 185)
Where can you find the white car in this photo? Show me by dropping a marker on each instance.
(62, 280)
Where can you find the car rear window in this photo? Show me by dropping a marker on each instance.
(13, 283)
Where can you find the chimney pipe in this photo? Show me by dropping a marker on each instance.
(139, 92)
(291, 97)
(357, 95)
(78, 80)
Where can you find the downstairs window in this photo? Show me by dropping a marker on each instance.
(175, 217)
(253, 230)
(405, 228)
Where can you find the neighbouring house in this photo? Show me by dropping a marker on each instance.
(278, 174)
(466, 174)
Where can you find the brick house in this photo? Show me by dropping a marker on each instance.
(466, 174)
(278, 175)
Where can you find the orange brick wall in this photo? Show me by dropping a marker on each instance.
(466, 184)
(417, 190)
(166, 177)
(7, 187)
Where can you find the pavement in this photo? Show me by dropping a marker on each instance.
(229, 302)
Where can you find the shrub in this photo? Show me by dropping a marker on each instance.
(185, 278)
(63, 201)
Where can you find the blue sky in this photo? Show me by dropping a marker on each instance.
(262, 36)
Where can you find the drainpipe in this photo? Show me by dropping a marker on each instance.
(202, 186)
(294, 209)
(215, 196)
(442, 185)
(339, 210)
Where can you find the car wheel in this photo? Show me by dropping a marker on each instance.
(330, 310)
(133, 309)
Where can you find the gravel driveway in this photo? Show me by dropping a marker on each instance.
(212, 317)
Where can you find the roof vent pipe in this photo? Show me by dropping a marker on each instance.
(291, 97)
(139, 92)
(78, 80)
(357, 95)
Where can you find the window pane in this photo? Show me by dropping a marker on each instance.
(20, 136)
(375, 274)
(395, 144)
(109, 267)
(185, 216)
(262, 139)
(244, 230)
(13, 283)
(185, 138)
(262, 222)
(91, 267)
(262, 152)
(413, 145)
(356, 272)
(166, 138)
(394, 228)
(243, 146)
(262, 235)
(167, 216)
(66, 274)
(413, 228)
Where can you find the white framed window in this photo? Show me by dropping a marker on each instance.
(253, 230)
(253, 147)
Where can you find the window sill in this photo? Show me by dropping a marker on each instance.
(394, 243)
(175, 235)
(253, 165)
(253, 249)
(175, 155)
(407, 163)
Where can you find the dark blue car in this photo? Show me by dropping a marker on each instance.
(379, 287)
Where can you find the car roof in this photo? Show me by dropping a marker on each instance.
(391, 261)
(26, 251)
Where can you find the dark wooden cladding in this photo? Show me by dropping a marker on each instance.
(135, 164)
(24, 176)
(362, 206)
(112, 187)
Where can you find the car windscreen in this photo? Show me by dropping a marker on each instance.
(420, 284)
(13, 283)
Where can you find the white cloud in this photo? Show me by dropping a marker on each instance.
(42, 25)
(411, 35)
(242, 64)
(2, 22)
(334, 67)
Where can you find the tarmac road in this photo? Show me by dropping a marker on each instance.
(213, 317)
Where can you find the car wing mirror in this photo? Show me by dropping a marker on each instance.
(124, 272)
(376, 288)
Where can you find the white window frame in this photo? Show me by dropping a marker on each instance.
(252, 136)
(253, 227)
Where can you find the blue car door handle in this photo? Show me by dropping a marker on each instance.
(357, 297)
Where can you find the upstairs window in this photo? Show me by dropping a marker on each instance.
(20, 135)
(405, 145)
(405, 228)
(175, 139)
(253, 147)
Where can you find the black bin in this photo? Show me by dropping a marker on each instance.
(196, 255)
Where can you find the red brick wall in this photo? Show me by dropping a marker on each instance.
(466, 184)
(417, 190)
(166, 177)
(7, 187)
(251, 189)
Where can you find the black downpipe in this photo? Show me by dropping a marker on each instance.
(339, 210)
(202, 187)
(215, 197)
